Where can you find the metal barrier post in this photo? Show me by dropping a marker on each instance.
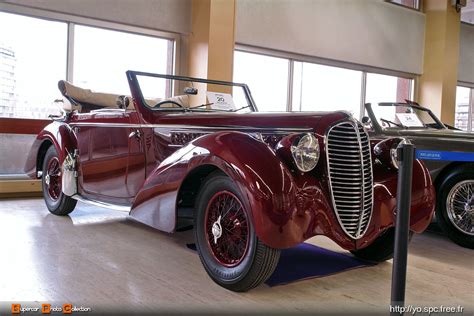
(406, 155)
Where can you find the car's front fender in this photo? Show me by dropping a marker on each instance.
(261, 176)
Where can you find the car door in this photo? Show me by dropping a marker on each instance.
(111, 157)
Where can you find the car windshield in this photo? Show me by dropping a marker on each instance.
(174, 93)
(404, 116)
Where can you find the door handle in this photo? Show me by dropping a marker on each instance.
(136, 133)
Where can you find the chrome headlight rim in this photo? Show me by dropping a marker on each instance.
(306, 152)
(394, 152)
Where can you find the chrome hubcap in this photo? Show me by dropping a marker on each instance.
(52, 179)
(227, 229)
(460, 206)
(217, 229)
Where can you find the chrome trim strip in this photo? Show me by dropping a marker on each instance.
(362, 167)
(199, 129)
(371, 176)
(121, 208)
(108, 110)
(105, 124)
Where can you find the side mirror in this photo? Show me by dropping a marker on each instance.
(123, 101)
(190, 90)
(366, 120)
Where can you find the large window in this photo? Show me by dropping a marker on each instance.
(383, 88)
(467, 13)
(101, 58)
(267, 78)
(464, 118)
(34, 57)
(414, 4)
(32, 60)
(324, 88)
(315, 87)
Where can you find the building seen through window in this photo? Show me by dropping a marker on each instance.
(33, 58)
(384, 88)
(463, 109)
(32, 61)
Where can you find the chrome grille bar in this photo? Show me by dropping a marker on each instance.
(349, 164)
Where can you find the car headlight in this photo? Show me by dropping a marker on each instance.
(394, 151)
(386, 151)
(394, 157)
(305, 152)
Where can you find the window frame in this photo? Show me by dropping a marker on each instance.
(466, 22)
(174, 47)
(290, 69)
(293, 57)
(416, 8)
(470, 113)
(363, 81)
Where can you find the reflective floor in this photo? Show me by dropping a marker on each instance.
(101, 259)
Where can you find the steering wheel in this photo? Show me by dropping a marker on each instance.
(168, 101)
(390, 123)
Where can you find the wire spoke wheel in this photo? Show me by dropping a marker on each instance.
(227, 228)
(460, 206)
(53, 178)
(226, 240)
(56, 201)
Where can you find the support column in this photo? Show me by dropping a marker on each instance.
(437, 85)
(211, 44)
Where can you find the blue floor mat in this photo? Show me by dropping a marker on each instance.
(307, 261)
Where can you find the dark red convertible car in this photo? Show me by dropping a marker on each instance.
(183, 151)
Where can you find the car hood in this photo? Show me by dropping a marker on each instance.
(433, 133)
(440, 140)
(258, 121)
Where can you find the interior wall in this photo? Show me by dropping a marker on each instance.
(165, 15)
(466, 54)
(14, 149)
(367, 32)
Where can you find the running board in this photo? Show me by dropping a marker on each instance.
(116, 207)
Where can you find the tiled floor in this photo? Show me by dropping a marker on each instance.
(101, 259)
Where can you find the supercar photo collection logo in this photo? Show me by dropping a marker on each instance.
(49, 309)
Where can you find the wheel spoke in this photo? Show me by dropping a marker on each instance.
(460, 206)
(230, 207)
(53, 181)
(227, 223)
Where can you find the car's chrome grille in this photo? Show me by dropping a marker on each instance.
(350, 176)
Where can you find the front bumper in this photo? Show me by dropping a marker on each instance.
(312, 212)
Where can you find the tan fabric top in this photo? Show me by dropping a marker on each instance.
(88, 96)
(109, 100)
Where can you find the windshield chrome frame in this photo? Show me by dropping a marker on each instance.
(132, 79)
(380, 129)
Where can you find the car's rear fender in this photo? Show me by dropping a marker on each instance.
(56, 134)
(264, 181)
